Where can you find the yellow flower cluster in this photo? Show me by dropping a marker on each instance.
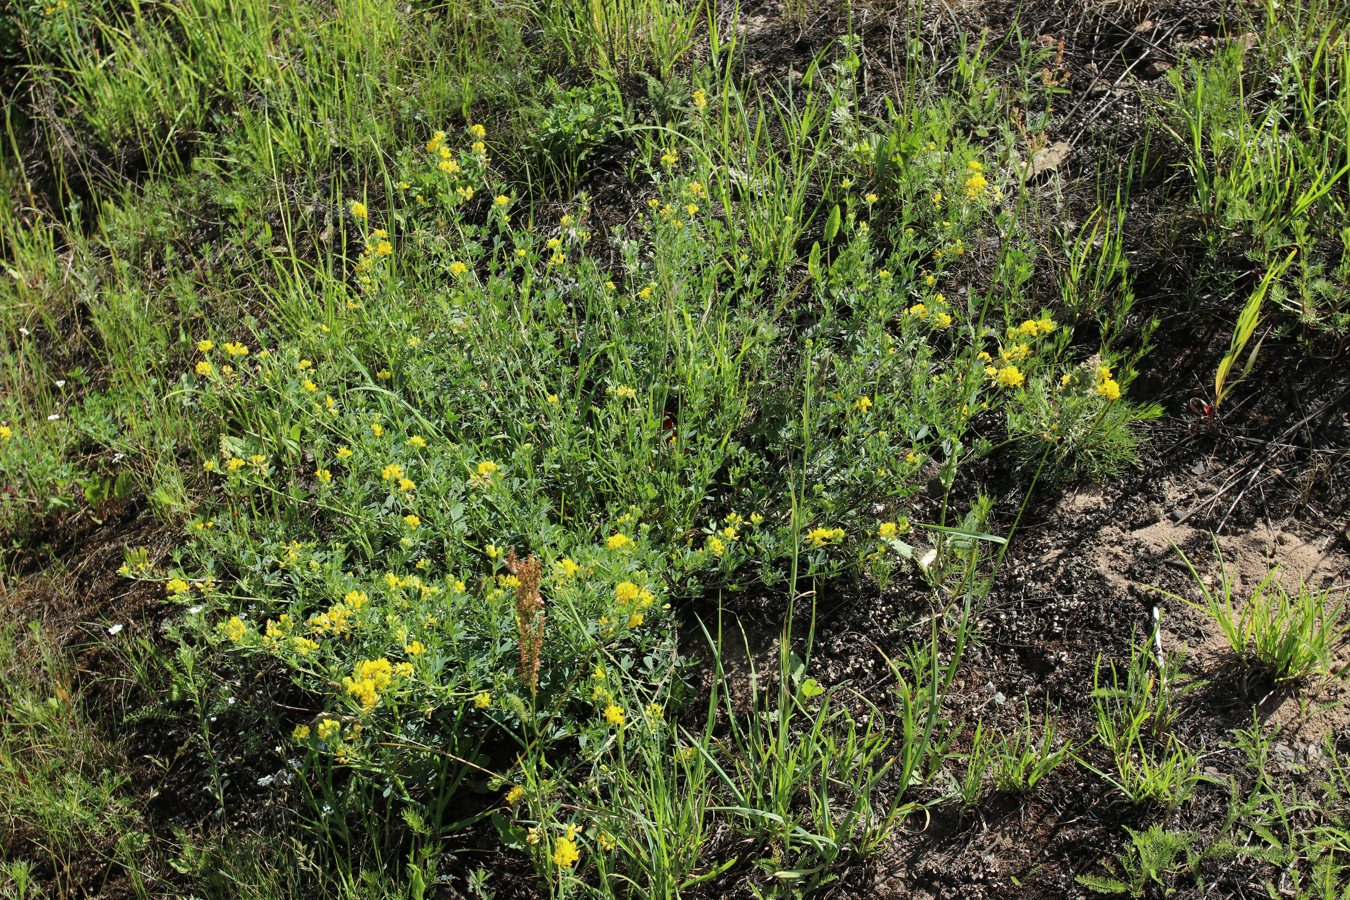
(820, 537)
(234, 629)
(368, 678)
(1107, 385)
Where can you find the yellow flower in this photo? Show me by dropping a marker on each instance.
(819, 537)
(500, 200)
(206, 346)
(635, 620)
(478, 131)
(1109, 389)
(618, 541)
(177, 586)
(344, 453)
(310, 386)
(975, 185)
(716, 547)
(384, 374)
(448, 166)
(918, 311)
(403, 669)
(606, 841)
(234, 349)
(392, 472)
(329, 729)
(565, 853)
(514, 795)
(870, 199)
(359, 209)
(458, 268)
(323, 475)
(415, 649)
(203, 369)
(1010, 376)
(234, 629)
(417, 441)
(913, 458)
(406, 484)
(888, 530)
(384, 248)
(492, 551)
(235, 464)
(412, 521)
(862, 404)
(300, 733)
(482, 700)
(700, 99)
(942, 320)
(487, 468)
(567, 568)
(614, 714)
(437, 139)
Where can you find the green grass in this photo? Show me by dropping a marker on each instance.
(471, 356)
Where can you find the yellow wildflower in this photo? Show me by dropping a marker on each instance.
(234, 629)
(1010, 376)
(1110, 389)
(565, 854)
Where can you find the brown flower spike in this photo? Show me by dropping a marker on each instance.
(529, 616)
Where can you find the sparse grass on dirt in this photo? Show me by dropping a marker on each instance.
(642, 448)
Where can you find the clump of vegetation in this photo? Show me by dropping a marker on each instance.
(507, 398)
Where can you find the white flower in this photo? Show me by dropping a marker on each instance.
(116, 628)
